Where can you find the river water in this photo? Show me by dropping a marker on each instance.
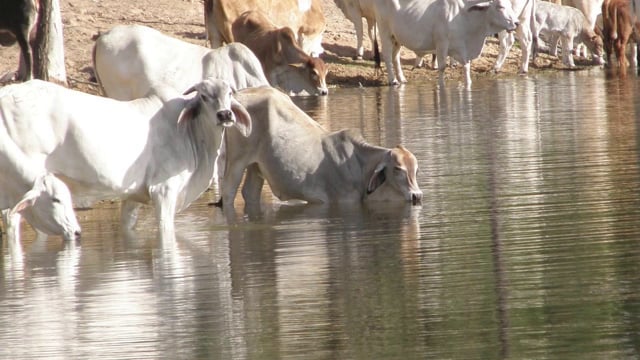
(526, 245)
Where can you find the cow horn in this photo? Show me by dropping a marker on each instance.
(189, 90)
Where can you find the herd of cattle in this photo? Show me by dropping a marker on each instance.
(193, 114)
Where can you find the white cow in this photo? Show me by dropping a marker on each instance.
(301, 160)
(450, 27)
(525, 11)
(160, 149)
(570, 26)
(129, 59)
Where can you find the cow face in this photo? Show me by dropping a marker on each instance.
(215, 101)
(395, 178)
(499, 13)
(317, 73)
(48, 208)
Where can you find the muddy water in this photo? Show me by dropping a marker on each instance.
(527, 245)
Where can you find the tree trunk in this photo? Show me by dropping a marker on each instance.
(48, 52)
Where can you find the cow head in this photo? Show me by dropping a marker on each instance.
(317, 72)
(48, 208)
(394, 177)
(215, 100)
(499, 12)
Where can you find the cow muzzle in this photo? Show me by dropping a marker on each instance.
(416, 197)
(225, 117)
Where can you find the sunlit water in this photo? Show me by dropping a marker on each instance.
(526, 245)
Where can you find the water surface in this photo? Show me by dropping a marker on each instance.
(526, 245)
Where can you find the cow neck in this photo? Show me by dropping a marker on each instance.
(369, 156)
(204, 142)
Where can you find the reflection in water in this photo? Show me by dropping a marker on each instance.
(525, 246)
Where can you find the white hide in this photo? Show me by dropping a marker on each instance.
(450, 27)
(129, 59)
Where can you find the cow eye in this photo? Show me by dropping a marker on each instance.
(55, 200)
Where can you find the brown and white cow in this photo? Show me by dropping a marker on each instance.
(619, 26)
(276, 47)
(304, 17)
(302, 160)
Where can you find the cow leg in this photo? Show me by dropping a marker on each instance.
(11, 225)
(553, 46)
(506, 42)
(467, 73)
(441, 55)
(26, 56)
(387, 50)
(354, 15)
(253, 183)
(633, 56)
(620, 54)
(164, 197)
(396, 63)
(526, 40)
(567, 47)
(231, 182)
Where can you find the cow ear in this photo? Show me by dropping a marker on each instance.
(377, 178)
(189, 111)
(27, 200)
(243, 119)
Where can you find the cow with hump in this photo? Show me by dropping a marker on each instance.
(304, 17)
(453, 28)
(301, 160)
(277, 48)
(158, 150)
(129, 60)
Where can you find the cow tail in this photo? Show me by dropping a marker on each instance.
(376, 49)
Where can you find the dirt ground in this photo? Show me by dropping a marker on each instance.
(184, 19)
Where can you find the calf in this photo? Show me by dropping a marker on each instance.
(570, 26)
(277, 47)
(450, 27)
(160, 149)
(301, 160)
(18, 17)
(619, 26)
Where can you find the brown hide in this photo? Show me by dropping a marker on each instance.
(220, 14)
(619, 26)
(275, 47)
